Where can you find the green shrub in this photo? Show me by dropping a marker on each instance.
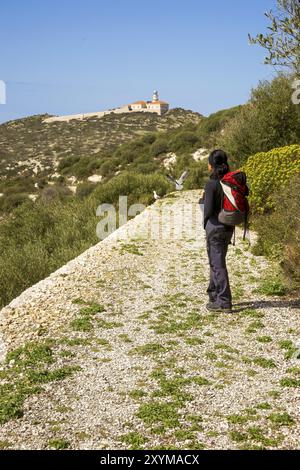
(108, 167)
(184, 141)
(159, 146)
(279, 232)
(39, 238)
(55, 192)
(11, 201)
(210, 128)
(268, 173)
(68, 162)
(149, 138)
(270, 120)
(84, 189)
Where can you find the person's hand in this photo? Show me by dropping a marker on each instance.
(202, 197)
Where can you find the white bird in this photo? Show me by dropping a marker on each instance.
(156, 196)
(179, 183)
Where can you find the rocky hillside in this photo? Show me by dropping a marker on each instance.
(30, 146)
(116, 350)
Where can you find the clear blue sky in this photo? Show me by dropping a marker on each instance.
(63, 56)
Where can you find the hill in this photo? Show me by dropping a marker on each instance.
(31, 147)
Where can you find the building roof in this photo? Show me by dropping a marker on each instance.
(139, 102)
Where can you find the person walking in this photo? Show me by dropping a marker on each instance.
(218, 235)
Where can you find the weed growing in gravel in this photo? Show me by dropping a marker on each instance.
(108, 325)
(130, 248)
(256, 434)
(31, 354)
(45, 376)
(272, 285)
(63, 409)
(200, 380)
(103, 342)
(173, 388)
(82, 436)
(241, 418)
(144, 316)
(263, 362)
(264, 406)
(148, 349)
(82, 324)
(251, 372)
(92, 309)
(293, 370)
(290, 382)
(58, 444)
(194, 341)
(208, 333)
(165, 414)
(264, 339)
(66, 353)
(274, 394)
(226, 347)
(75, 341)
(137, 394)
(84, 321)
(184, 435)
(252, 313)
(25, 369)
(254, 326)
(134, 440)
(211, 356)
(196, 422)
(238, 436)
(281, 419)
(5, 445)
(78, 301)
(238, 291)
(289, 347)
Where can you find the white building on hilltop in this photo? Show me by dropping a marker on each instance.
(154, 106)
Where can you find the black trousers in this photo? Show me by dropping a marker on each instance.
(219, 287)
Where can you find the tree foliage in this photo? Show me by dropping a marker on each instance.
(269, 120)
(282, 42)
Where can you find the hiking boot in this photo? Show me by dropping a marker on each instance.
(213, 307)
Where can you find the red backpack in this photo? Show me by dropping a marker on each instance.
(235, 207)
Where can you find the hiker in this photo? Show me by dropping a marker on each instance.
(218, 235)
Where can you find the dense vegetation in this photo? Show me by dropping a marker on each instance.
(279, 231)
(29, 144)
(268, 173)
(269, 120)
(42, 236)
(274, 178)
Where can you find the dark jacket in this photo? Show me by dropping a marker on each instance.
(213, 204)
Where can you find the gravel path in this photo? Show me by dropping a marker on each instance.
(126, 355)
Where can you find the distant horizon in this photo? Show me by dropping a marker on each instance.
(62, 58)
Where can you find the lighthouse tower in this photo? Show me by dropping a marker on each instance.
(155, 96)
